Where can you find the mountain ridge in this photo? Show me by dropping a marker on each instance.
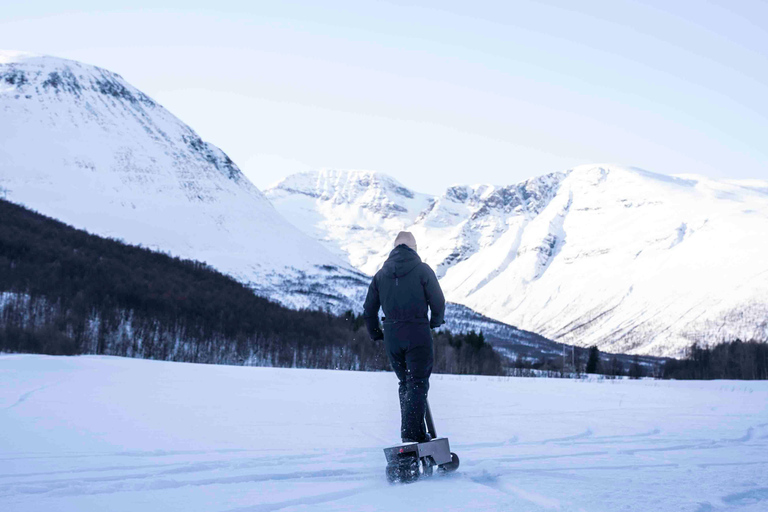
(646, 247)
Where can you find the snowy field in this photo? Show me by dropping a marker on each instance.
(103, 433)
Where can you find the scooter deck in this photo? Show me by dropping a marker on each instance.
(438, 449)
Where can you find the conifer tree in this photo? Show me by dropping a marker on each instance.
(593, 362)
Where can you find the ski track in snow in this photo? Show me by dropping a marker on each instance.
(680, 446)
(26, 395)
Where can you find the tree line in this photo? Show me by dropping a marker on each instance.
(747, 360)
(65, 291)
(582, 361)
(455, 353)
(727, 360)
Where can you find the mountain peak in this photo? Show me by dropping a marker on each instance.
(12, 56)
(83, 92)
(86, 147)
(631, 173)
(34, 75)
(368, 190)
(40, 61)
(334, 184)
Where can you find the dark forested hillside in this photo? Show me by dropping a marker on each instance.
(64, 291)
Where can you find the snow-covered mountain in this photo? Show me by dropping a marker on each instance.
(620, 257)
(601, 254)
(352, 213)
(80, 144)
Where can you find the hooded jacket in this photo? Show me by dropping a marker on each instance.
(405, 288)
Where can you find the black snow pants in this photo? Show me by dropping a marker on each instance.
(409, 348)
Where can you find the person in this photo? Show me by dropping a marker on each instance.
(405, 288)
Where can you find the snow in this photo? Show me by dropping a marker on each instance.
(14, 56)
(352, 212)
(104, 433)
(615, 256)
(81, 145)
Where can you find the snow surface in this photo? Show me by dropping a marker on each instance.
(105, 433)
(619, 257)
(82, 145)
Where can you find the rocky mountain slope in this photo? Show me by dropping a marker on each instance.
(82, 145)
(602, 254)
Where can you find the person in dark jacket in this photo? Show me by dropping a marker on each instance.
(405, 288)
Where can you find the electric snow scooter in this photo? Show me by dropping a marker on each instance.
(408, 462)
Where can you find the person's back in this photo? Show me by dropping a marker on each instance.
(406, 288)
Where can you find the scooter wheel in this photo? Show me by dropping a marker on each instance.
(450, 466)
(409, 470)
(426, 467)
(403, 471)
(393, 473)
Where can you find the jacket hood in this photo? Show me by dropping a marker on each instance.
(402, 259)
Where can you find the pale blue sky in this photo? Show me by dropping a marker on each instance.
(436, 93)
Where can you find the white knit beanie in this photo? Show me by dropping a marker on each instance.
(406, 237)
